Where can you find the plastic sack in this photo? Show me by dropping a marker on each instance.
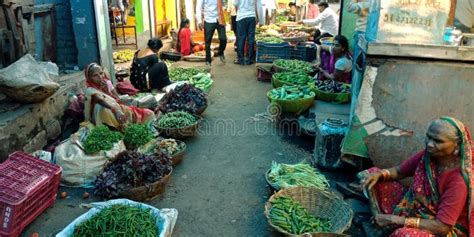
(43, 155)
(80, 169)
(165, 217)
(26, 81)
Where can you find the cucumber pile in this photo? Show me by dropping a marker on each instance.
(287, 92)
(202, 81)
(295, 78)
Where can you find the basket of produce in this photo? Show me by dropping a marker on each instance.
(136, 135)
(291, 99)
(184, 97)
(170, 55)
(175, 148)
(331, 91)
(285, 65)
(197, 56)
(137, 176)
(184, 74)
(290, 78)
(295, 36)
(202, 81)
(302, 211)
(178, 124)
(281, 176)
(122, 217)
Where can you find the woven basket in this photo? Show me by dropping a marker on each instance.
(293, 106)
(178, 157)
(202, 109)
(320, 204)
(149, 192)
(180, 133)
(339, 98)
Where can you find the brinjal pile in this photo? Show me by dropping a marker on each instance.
(130, 169)
(332, 86)
(183, 98)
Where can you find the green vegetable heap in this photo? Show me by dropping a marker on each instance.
(202, 81)
(294, 78)
(292, 217)
(177, 119)
(287, 92)
(184, 74)
(294, 65)
(137, 135)
(286, 176)
(101, 138)
(269, 39)
(119, 220)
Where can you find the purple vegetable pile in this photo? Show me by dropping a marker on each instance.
(183, 98)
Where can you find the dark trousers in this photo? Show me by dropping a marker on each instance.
(318, 36)
(245, 32)
(209, 29)
(233, 24)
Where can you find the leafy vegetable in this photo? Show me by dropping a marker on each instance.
(137, 134)
(101, 138)
(286, 176)
(183, 98)
(119, 220)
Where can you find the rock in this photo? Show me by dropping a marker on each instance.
(53, 130)
(37, 143)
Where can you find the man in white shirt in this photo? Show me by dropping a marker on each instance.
(246, 23)
(329, 21)
(213, 19)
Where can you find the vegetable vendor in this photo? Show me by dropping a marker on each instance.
(440, 199)
(147, 72)
(103, 106)
(185, 44)
(336, 61)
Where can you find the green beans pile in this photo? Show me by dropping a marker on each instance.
(101, 138)
(286, 176)
(292, 217)
(119, 220)
(177, 119)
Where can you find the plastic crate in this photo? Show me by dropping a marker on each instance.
(28, 186)
(264, 73)
(303, 52)
(267, 52)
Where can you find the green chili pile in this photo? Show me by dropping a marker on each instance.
(119, 220)
(101, 138)
(178, 119)
(292, 217)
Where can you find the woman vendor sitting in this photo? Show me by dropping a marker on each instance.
(440, 199)
(185, 44)
(103, 106)
(336, 61)
(147, 72)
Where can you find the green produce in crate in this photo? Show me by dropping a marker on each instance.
(119, 220)
(291, 92)
(177, 119)
(269, 39)
(184, 74)
(294, 65)
(101, 138)
(292, 217)
(298, 78)
(286, 176)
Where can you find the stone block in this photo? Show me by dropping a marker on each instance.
(37, 143)
(53, 130)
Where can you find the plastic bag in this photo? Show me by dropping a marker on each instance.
(165, 217)
(80, 169)
(26, 81)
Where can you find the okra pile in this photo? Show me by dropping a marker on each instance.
(332, 86)
(294, 65)
(292, 217)
(287, 92)
(178, 119)
(295, 78)
(286, 176)
(119, 220)
(101, 138)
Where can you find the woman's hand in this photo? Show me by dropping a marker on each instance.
(387, 220)
(120, 116)
(371, 179)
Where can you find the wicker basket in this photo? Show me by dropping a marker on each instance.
(180, 133)
(320, 204)
(202, 109)
(293, 106)
(178, 157)
(149, 192)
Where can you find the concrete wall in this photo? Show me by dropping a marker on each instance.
(31, 126)
(65, 41)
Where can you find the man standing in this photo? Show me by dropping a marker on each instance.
(246, 23)
(329, 21)
(213, 19)
(233, 20)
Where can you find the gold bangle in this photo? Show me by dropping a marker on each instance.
(412, 222)
(385, 174)
(417, 223)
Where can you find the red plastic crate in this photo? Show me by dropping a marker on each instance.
(264, 73)
(28, 186)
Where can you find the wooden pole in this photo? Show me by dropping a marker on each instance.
(452, 12)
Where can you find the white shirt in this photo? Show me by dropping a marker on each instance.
(328, 19)
(246, 8)
(210, 11)
(465, 12)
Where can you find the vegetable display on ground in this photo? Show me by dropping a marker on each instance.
(137, 134)
(122, 56)
(170, 146)
(291, 92)
(177, 119)
(202, 81)
(292, 217)
(286, 176)
(101, 138)
(184, 74)
(119, 220)
(183, 98)
(332, 86)
(294, 65)
(295, 78)
(130, 169)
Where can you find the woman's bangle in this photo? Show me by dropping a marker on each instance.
(385, 174)
(412, 223)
